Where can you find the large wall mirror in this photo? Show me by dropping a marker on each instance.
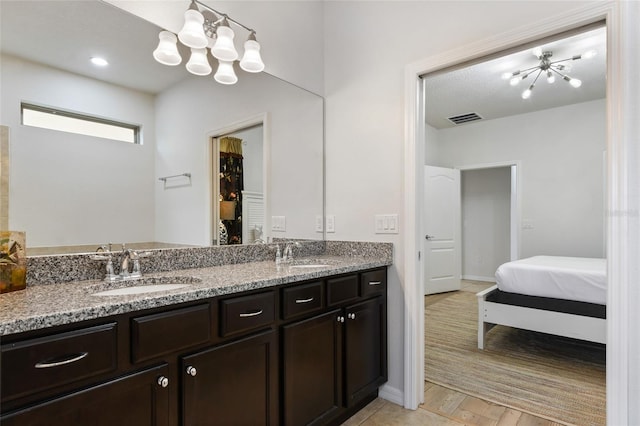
(72, 193)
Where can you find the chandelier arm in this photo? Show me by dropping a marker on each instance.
(223, 15)
(563, 60)
(537, 76)
(559, 73)
(524, 71)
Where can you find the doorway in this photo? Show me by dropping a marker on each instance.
(239, 174)
(490, 216)
(472, 148)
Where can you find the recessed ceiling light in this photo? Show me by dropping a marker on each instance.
(101, 62)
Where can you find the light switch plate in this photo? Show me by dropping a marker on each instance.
(386, 224)
(319, 226)
(278, 223)
(331, 223)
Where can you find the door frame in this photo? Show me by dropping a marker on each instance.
(622, 245)
(516, 201)
(213, 167)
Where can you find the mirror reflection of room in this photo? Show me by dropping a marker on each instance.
(240, 183)
(117, 196)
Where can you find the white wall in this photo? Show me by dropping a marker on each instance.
(368, 45)
(486, 215)
(193, 110)
(562, 176)
(69, 189)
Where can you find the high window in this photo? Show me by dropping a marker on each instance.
(72, 122)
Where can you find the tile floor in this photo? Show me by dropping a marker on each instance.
(443, 406)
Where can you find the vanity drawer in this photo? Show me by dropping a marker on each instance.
(342, 289)
(186, 327)
(373, 282)
(39, 364)
(302, 299)
(245, 313)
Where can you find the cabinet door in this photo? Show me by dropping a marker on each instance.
(312, 364)
(232, 384)
(134, 400)
(365, 349)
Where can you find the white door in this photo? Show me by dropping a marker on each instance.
(441, 215)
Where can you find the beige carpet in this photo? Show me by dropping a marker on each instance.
(552, 377)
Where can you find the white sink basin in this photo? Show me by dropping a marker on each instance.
(140, 289)
(142, 286)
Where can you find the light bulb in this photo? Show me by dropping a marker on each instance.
(225, 73)
(507, 75)
(224, 49)
(589, 54)
(192, 33)
(537, 52)
(167, 52)
(198, 63)
(514, 81)
(527, 93)
(550, 77)
(100, 62)
(575, 82)
(251, 60)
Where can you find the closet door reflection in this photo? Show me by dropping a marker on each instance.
(238, 187)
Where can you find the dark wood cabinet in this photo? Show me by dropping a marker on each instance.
(46, 362)
(232, 384)
(335, 361)
(312, 368)
(304, 353)
(137, 399)
(365, 349)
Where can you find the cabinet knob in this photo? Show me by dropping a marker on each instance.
(191, 370)
(340, 318)
(351, 316)
(163, 381)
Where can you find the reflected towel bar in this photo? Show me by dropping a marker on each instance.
(164, 179)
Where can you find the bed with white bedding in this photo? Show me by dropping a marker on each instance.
(565, 296)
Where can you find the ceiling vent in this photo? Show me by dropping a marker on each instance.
(464, 118)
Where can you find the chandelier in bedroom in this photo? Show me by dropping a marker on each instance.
(549, 67)
(209, 30)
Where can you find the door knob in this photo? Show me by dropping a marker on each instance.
(191, 370)
(163, 381)
(429, 237)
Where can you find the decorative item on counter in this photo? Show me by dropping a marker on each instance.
(13, 261)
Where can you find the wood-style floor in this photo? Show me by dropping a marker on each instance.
(443, 406)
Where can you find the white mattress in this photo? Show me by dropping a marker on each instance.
(572, 278)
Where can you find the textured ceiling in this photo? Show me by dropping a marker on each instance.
(480, 89)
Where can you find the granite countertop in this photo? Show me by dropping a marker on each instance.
(42, 306)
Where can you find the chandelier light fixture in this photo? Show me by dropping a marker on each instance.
(205, 31)
(549, 68)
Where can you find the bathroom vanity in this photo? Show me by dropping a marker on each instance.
(266, 345)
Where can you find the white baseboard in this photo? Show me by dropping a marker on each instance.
(391, 394)
(479, 278)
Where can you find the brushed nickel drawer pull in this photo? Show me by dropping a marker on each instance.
(251, 314)
(375, 282)
(72, 358)
(304, 300)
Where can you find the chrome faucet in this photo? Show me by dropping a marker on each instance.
(129, 257)
(124, 267)
(287, 256)
(132, 256)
